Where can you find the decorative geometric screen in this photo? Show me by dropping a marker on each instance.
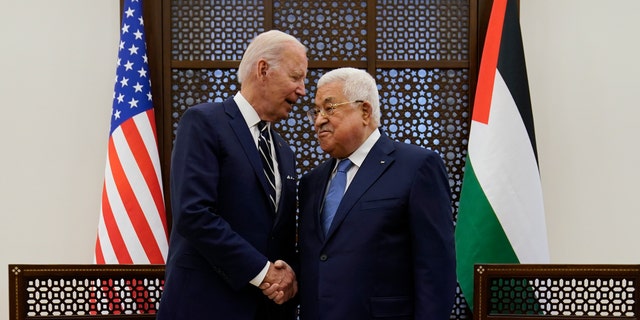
(193, 86)
(214, 30)
(422, 30)
(557, 291)
(601, 297)
(67, 297)
(405, 49)
(332, 30)
(59, 291)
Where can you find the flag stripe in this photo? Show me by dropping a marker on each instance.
(99, 256)
(122, 202)
(149, 192)
(104, 250)
(111, 234)
(512, 67)
(484, 233)
(132, 189)
(512, 184)
(484, 91)
(501, 213)
(151, 173)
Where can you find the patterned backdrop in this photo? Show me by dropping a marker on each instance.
(418, 51)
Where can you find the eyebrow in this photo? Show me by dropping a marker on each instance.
(298, 73)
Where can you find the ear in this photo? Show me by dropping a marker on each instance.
(263, 67)
(367, 112)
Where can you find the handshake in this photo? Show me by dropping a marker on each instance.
(280, 283)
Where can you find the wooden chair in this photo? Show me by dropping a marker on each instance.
(84, 291)
(556, 291)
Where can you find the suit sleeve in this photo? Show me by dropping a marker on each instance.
(195, 172)
(434, 245)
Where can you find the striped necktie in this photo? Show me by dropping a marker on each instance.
(264, 146)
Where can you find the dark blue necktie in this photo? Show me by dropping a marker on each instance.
(264, 146)
(335, 193)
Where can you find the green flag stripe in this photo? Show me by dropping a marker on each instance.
(479, 236)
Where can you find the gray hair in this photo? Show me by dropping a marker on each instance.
(268, 45)
(357, 85)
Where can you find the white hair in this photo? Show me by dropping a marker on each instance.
(269, 46)
(357, 85)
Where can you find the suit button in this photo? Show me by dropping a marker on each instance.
(323, 257)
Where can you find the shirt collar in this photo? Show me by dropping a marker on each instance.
(248, 113)
(358, 156)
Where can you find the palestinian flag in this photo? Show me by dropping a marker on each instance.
(501, 214)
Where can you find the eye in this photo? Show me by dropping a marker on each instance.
(297, 77)
(328, 109)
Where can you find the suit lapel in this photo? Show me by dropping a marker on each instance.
(284, 159)
(374, 165)
(243, 133)
(324, 174)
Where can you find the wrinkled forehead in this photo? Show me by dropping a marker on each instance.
(329, 93)
(295, 58)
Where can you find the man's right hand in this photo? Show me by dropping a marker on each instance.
(280, 283)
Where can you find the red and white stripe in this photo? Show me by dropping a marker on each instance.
(132, 226)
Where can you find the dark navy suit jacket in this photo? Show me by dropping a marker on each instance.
(390, 250)
(224, 228)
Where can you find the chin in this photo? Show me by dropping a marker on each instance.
(325, 148)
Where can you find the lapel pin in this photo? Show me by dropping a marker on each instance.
(382, 162)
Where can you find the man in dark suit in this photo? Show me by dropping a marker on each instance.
(233, 226)
(388, 250)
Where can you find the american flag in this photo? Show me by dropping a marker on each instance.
(132, 227)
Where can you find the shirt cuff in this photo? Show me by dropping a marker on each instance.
(260, 277)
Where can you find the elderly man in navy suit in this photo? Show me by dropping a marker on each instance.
(233, 201)
(386, 248)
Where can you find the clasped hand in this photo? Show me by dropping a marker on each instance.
(280, 283)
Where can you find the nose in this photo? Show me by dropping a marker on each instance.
(300, 90)
(320, 120)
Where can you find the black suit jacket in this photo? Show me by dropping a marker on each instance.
(390, 250)
(224, 228)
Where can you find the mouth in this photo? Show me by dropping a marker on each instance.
(324, 132)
